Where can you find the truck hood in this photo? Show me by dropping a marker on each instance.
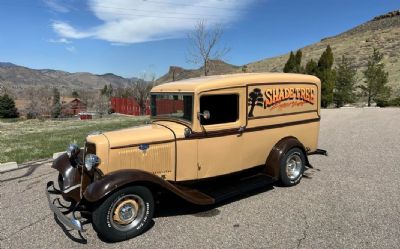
(156, 132)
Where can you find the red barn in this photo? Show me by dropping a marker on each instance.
(72, 106)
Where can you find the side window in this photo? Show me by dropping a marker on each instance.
(223, 108)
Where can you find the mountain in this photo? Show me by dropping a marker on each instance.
(18, 77)
(215, 67)
(382, 32)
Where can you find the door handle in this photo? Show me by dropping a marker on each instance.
(241, 130)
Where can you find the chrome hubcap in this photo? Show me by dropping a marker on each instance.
(127, 212)
(293, 166)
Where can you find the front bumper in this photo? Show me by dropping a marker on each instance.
(62, 215)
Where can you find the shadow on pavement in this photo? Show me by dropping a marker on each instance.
(30, 170)
(80, 240)
(171, 205)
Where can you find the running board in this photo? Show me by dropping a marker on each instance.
(222, 189)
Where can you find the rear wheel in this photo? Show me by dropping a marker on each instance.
(125, 214)
(292, 167)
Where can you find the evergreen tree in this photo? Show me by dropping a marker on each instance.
(345, 82)
(327, 76)
(290, 64)
(56, 105)
(376, 79)
(311, 67)
(104, 91)
(293, 65)
(298, 68)
(110, 90)
(7, 107)
(75, 94)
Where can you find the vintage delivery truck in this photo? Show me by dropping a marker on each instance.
(209, 139)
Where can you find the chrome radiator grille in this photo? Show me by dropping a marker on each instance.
(157, 159)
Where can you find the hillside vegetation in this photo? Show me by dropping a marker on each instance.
(383, 33)
(358, 43)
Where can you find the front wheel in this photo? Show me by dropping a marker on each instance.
(292, 166)
(125, 214)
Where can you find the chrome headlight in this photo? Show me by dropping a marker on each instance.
(91, 161)
(73, 150)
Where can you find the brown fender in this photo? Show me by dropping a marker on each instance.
(278, 151)
(70, 178)
(117, 179)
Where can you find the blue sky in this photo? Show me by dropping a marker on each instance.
(129, 37)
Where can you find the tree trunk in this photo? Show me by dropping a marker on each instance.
(205, 68)
(369, 100)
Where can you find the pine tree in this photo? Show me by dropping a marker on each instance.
(345, 82)
(7, 107)
(104, 91)
(56, 105)
(376, 79)
(290, 64)
(298, 68)
(75, 94)
(293, 65)
(311, 67)
(327, 76)
(110, 90)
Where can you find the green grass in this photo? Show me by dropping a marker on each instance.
(28, 140)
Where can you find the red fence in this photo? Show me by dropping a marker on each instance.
(165, 106)
(128, 106)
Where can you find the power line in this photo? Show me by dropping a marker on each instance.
(186, 15)
(163, 17)
(187, 4)
(152, 11)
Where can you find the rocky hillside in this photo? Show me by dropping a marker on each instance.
(18, 77)
(383, 33)
(216, 67)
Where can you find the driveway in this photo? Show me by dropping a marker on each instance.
(350, 199)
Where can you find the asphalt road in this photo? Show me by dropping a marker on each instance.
(351, 199)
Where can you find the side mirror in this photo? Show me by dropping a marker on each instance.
(206, 114)
(187, 132)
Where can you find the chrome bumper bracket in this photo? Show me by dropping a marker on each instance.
(69, 222)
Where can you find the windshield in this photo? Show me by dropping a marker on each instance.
(172, 105)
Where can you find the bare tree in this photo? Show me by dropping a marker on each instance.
(102, 104)
(204, 45)
(141, 90)
(40, 102)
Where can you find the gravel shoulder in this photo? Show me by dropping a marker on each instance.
(350, 199)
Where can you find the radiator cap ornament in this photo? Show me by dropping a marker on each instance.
(143, 147)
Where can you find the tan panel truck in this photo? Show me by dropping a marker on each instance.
(209, 139)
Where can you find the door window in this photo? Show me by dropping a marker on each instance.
(223, 108)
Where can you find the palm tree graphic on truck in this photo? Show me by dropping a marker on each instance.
(255, 99)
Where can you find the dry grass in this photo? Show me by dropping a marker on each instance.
(28, 140)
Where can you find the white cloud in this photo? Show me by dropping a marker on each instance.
(67, 31)
(133, 21)
(60, 40)
(56, 5)
(71, 49)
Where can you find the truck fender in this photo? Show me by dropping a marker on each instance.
(117, 179)
(69, 180)
(278, 151)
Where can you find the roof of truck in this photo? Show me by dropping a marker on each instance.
(207, 83)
